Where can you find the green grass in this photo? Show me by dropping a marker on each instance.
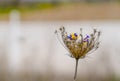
(26, 7)
(6, 8)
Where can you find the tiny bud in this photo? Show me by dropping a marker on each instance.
(99, 33)
(95, 31)
(60, 29)
(80, 30)
(55, 31)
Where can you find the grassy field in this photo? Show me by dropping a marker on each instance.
(68, 11)
(24, 9)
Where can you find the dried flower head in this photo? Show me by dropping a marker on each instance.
(78, 45)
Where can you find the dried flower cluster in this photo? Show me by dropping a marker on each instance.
(78, 45)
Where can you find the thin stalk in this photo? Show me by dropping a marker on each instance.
(75, 75)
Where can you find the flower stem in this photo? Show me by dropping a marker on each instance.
(75, 75)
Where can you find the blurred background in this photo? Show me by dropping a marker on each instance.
(30, 51)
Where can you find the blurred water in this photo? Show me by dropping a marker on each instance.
(41, 51)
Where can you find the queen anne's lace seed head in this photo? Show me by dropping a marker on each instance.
(79, 45)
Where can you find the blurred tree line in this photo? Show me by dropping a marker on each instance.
(17, 2)
(7, 5)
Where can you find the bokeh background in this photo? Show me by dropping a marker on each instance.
(30, 51)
